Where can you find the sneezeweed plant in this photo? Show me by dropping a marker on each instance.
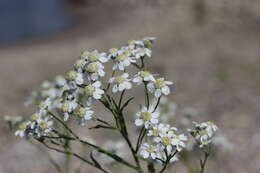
(73, 96)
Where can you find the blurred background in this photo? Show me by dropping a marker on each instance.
(209, 48)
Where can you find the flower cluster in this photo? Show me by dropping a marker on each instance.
(204, 132)
(166, 142)
(74, 96)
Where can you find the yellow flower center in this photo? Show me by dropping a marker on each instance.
(112, 50)
(22, 126)
(131, 42)
(159, 83)
(146, 115)
(119, 79)
(151, 149)
(85, 54)
(80, 112)
(92, 67)
(43, 124)
(210, 123)
(166, 140)
(71, 75)
(156, 132)
(144, 74)
(120, 57)
(34, 117)
(89, 89)
(204, 132)
(79, 63)
(65, 107)
(94, 56)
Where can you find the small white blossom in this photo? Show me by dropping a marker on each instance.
(142, 52)
(93, 91)
(76, 77)
(178, 141)
(159, 87)
(84, 114)
(148, 150)
(67, 108)
(120, 82)
(44, 126)
(95, 70)
(21, 129)
(147, 117)
(203, 132)
(94, 56)
(121, 61)
(141, 76)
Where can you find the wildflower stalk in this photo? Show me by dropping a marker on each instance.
(168, 158)
(99, 149)
(75, 155)
(203, 162)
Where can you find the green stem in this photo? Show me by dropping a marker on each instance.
(203, 163)
(73, 154)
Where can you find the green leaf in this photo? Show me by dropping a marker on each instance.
(94, 160)
(103, 126)
(126, 103)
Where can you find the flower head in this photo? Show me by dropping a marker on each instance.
(159, 87)
(84, 114)
(204, 132)
(93, 91)
(143, 76)
(94, 56)
(74, 76)
(120, 82)
(121, 61)
(95, 70)
(148, 150)
(147, 117)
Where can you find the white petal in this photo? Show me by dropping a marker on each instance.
(166, 90)
(157, 93)
(114, 89)
(139, 122)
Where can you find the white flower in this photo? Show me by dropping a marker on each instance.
(121, 83)
(143, 76)
(135, 43)
(209, 127)
(142, 52)
(159, 87)
(121, 61)
(93, 91)
(160, 129)
(95, 70)
(67, 108)
(21, 129)
(165, 140)
(148, 150)
(204, 132)
(168, 138)
(76, 77)
(44, 106)
(60, 80)
(147, 117)
(178, 141)
(44, 126)
(84, 114)
(113, 52)
(94, 56)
